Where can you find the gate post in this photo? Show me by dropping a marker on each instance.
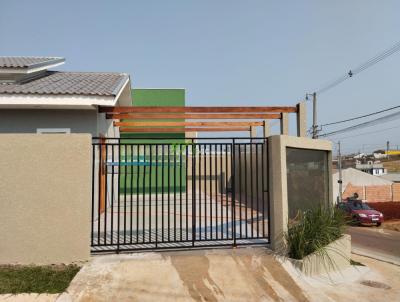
(278, 184)
(233, 189)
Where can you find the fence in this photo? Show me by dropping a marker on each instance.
(375, 193)
(155, 194)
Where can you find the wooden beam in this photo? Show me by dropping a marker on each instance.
(149, 116)
(182, 130)
(191, 124)
(174, 109)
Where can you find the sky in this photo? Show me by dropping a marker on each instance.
(228, 53)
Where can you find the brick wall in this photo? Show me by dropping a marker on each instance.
(374, 193)
(396, 191)
(378, 193)
(350, 190)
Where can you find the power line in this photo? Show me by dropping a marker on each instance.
(367, 133)
(361, 116)
(383, 119)
(374, 60)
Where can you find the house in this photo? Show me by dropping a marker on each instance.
(372, 168)
(35, 99)
(367, 186)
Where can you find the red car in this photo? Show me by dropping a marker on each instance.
(361, 213)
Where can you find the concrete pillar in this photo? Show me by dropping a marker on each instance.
(266, 129)
(301, 119)
(278, 192)
(253, 131)
(285, 123)
(278, 188)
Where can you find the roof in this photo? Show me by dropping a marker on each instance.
(357, 178)
(28, 62)
(395, 177)
(70, 83)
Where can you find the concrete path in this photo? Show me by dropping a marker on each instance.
(246, 274)
(376, 242)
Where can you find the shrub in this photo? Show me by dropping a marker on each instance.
(312, 230)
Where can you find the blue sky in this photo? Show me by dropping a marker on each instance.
(226, 52)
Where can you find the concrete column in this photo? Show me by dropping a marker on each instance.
(301, 119)
(278, 192)
(285, 123)
(266, 129)
(253, 131)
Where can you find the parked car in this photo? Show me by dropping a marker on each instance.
(360, 213)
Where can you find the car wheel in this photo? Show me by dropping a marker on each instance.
(378, 224)
(356, 221)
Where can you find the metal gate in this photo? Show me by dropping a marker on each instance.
(167, 193)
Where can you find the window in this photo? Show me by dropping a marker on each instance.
(53, 130)
(307, 179)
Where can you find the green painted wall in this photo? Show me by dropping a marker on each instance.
(134, 178)
(157, 97)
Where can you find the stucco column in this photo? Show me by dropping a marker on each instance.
(266, 129)
(285, 123)
(278, 188)
(278, 191)
(301, 119)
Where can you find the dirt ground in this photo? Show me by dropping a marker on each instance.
(393, 225)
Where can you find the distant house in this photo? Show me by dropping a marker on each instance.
(356, 181)
(35, 99)
(372, 168)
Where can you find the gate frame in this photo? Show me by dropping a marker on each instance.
(233, 143)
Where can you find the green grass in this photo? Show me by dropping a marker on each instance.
(311, 231)
(36, 279)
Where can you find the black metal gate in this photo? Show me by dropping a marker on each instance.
(166, 193)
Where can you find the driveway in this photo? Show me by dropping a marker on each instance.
(376, 242)
(246, 274)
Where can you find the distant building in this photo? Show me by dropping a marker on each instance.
(372, 168)
(395, 177)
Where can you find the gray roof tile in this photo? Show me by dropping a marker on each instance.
(70, 83)
(28, 62)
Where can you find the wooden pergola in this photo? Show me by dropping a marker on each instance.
(175, 119)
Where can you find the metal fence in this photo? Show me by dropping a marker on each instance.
(178, 193)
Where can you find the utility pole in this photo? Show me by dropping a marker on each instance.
(315, 126)
(340, 173)
(387, 149)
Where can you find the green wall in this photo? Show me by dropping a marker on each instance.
(157, 97)
(137, 175)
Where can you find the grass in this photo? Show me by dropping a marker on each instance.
(36, 279)
(311, 231)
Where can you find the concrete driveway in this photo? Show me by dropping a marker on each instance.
(246, 274)
(376, 242)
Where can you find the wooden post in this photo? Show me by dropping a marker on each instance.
(285, 123)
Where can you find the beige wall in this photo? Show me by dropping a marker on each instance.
(277, 145)
(45, 197)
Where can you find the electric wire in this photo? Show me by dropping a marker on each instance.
(383, 119)
(359, 117)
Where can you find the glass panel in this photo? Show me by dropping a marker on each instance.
(307, 179)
